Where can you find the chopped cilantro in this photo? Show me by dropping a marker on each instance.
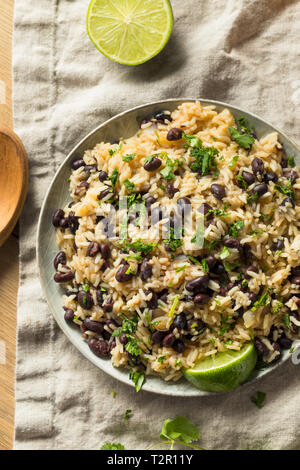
(133, 348)
(258, 399)
(205, 266)
(242, 182)
(112, 446)
(244, 140)
(233, 161)
(256, 232)
(138, 378)
(253, 198)
(205, 162)
(85, 287)
(195, 260)
(219, 212)
(262, 301)
(224, 253)
(286, 189)
(174, 306)
(161, 359)
(173, 243)
(291, 161)
(286, 321)
(127, 415)
(182, 268)
(140, 247)
(114, 177)
(235, 227)
(113, 152)
(129, 157)
(129, 185)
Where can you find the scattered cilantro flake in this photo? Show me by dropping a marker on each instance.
(133, 348)
(113, 394)
(172, 242)
(228, 342)
(242, 182)
(286, 321)
(263, 301)
(224, 253)
(129, 185)
(129, 157)
(233, 161)
(195, 260)
(149, 159)
(244, 284)
(205, 266)
(286, 189)
(253, 198)
(182, 268)
(86, 287)
(235, 227)
(278, 252)
(174, 306)
(205, 162)
(128, 326)
(161, 359)
(219, 212)
(258, 399)
(138, 378)
(277, 308)
(114, 177)
(254, 233)
(291, 161)
(112, 446)
(127, 415)
(140, 247)
(157, 138)
(113, 152)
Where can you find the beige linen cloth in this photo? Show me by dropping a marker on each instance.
(244, 52)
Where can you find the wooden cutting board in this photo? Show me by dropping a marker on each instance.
(8, 252)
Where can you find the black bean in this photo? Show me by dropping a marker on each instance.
(284, 163)
(133, 360)
(99, 347)
(108, 303)
(146, 271)
(106, 335)
(89, 168)
(218, 191)
(204, 208)
(222, 291)
(95, 326)
(270, 176)
(60, 258)
(230, 285)
(198, 282)
(77, 164)
(100, 297)
(247, 253)
(148, 203)
(123, 338)
(104, 193)
(122, 275)
(104, 266)
(83, 186)
(85, 300)
(158, 336)
(64, 223)
(163, 296)
(152, 303)
(111, 345)
(153, 164)
(232, 243)
(178, 346)
(288, 201)
(184, 206)
(285, 342)
(211, 261)
(144, 121)
(218, 269)
(73, 222)
(174, 134)
(93, 249)
(261, 347)
(258, 166)
(162, 117)
(105, 250)
(196, 324)
(248, 177)
(252, 269)
(260, 189)
(253, 298)
(292, 175)
(278, 245)
(296, 271)
(57, 217)
(103, 176)
(171, 190)
(64, 277)
(180, 321)
(296, 280)
(168, 340)
(201, 299)
(276, 347)
(69, 315)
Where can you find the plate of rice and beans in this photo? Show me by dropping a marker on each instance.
(168, 247)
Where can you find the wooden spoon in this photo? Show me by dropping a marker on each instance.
(13, 181)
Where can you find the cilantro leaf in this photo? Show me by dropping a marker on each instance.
(235, 227)
(286, 321)
(112, 446)
(133, 348)
(114, 177)
(242, 182)
(129, 185)
(225, 253)
(262, 301)
(205, 162)
(138, 378)
(244, 140)
(180, 429)
(129, 157)
(233, 162)
(140, 247)
(258, 399)
(286, 189)
(127, 415)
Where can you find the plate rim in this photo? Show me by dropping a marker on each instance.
(64, 327)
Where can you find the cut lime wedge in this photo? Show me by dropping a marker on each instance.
(226, 371)
(129, 31)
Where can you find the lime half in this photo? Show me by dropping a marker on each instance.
(129, 31)
(226, 371)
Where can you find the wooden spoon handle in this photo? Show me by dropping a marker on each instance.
(13, 181)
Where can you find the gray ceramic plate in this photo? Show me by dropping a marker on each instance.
(124, 125)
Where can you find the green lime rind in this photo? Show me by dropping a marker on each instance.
(226, 371)
(130, 44)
